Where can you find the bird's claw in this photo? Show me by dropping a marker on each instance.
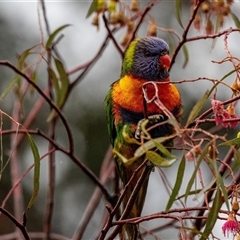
(156, 118)
(138, 129)
(152, 118)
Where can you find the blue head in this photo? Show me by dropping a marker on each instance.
(147, 58)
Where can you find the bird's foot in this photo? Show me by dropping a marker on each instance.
(139, 128)
(152, 119)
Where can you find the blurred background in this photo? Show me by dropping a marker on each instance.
(20, 30)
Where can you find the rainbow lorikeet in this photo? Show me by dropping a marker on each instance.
(146, 61)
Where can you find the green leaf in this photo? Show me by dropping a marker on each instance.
(232, 142)
(150, 145)
(54, 79)
(64, 82)
(177, 184)
(9, 87)
(193, 177)
(154, 157)
(124, 160)
(186, 55)
(93, 8)
(36, 176)
(224, 192)
(235, 19)
(175, 124)
(21, 66)
(54, 34)
(193, 192)
(197, 108)
(128, 138)
(143, 128)
(203, 190)
(212, 215)
(57, 90)
(163, 150)
(178, 7)
(158, 160)
(236, 163)
(224, 77)
(171, 44)
(34, 79)
(219, 180)
(22, 57)
(167, 163)
(61, 85)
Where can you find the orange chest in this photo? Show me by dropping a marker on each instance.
(130, 93)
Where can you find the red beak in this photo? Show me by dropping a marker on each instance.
(164, 61)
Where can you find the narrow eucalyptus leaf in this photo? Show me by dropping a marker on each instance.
(177, 184)
(36, 177)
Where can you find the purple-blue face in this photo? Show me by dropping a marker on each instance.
(151, 60)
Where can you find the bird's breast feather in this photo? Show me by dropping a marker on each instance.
(128, 93)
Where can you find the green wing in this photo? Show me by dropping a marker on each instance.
(108, 105)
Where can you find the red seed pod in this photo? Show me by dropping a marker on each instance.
(226, 10)
(113, 19)
(220, 3)
(212, 152)
(134, 6)
(152, 30)
(220, 20)
(209, 28)
(95, 21)
(130, 26)
(121, 18)
(125, 40)
(197, 22)
(235, 87)
(205, 7)
(235, 206)
(231, 109)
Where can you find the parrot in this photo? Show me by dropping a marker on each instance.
(146, 60)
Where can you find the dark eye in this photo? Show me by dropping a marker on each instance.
(165, 52)
(147, 53)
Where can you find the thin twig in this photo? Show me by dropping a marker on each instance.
(18, 200)
(111, 35)
(96, 197)
(45, 16)
(115, 209)
(48, 100)
(34, 235)
(185, 32)
(24, 174)
(71, 155)
(16, 222)
(144, 174)
(51, 183)
(222, 169)
(142, 14)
